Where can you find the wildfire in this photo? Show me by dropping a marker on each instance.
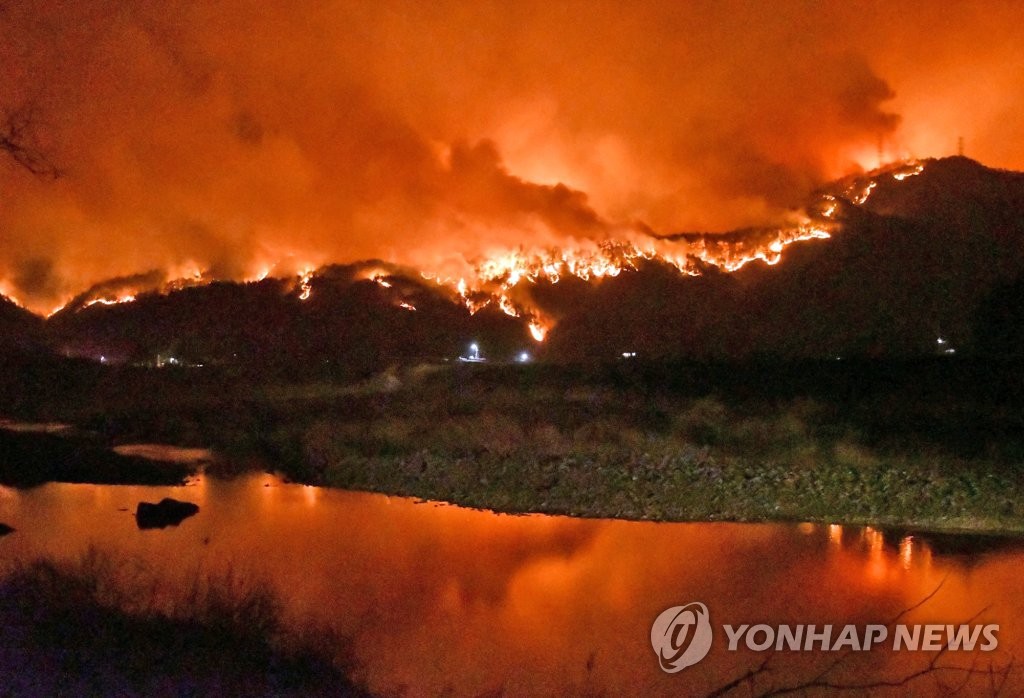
(5, 291)
(493, 279)
(305, 289)
(859, 191)
(911, 169)
(188, 275)
(859, 195)
(126, 298)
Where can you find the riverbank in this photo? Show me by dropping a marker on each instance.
(931, 444)
(710, 463)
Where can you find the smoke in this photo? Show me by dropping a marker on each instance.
(231, 136)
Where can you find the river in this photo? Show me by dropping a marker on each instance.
(436, 598)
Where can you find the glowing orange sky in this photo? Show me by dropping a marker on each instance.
(228, 135)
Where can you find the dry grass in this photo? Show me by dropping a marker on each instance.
(99, 626)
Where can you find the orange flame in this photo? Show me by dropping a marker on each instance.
(537, 330)
(5, 291)
(126, 298)
(305, 277)
(491, 279)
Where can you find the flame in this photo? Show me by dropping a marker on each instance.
(859, 191)
(911, 169)
(305, 277)
(859, 195)
(5, 291)
(537, 330)
(126, 298)
(507, 307)
(492, 279)
(829, 206)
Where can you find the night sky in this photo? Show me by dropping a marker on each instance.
(232, 137)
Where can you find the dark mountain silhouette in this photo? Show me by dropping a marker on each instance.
(351, 323)
(918, 262)
(20, 330)
(928, 264)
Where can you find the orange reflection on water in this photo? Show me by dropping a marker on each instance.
(835, 534)
(440, 598)
(907, 552)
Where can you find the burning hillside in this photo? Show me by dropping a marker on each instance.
(891, 276)
(506, 279)
(223, 140)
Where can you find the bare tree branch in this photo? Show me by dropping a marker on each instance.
(18, 140)
(740, 680)
(932, 667)
(997, 678)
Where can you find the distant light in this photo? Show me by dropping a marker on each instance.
(523, 357)
(951, 350)
(103, 359)
(940, 340)
(629, 354)
(474, 354)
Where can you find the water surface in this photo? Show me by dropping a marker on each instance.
(437, 598)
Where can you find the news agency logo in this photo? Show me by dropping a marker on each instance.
(681, 636)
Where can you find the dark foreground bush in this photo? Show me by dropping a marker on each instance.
(74, 629)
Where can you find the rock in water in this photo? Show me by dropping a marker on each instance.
(168, 512)
(5, 529)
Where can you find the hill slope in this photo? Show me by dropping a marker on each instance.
(928, 257)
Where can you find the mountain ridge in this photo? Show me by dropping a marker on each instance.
(907, 271)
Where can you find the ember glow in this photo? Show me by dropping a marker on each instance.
(305, 277)
(468, 140)
(7, 292)
(127, 298)
(496, 279)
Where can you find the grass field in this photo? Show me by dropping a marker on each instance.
(931, 444)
